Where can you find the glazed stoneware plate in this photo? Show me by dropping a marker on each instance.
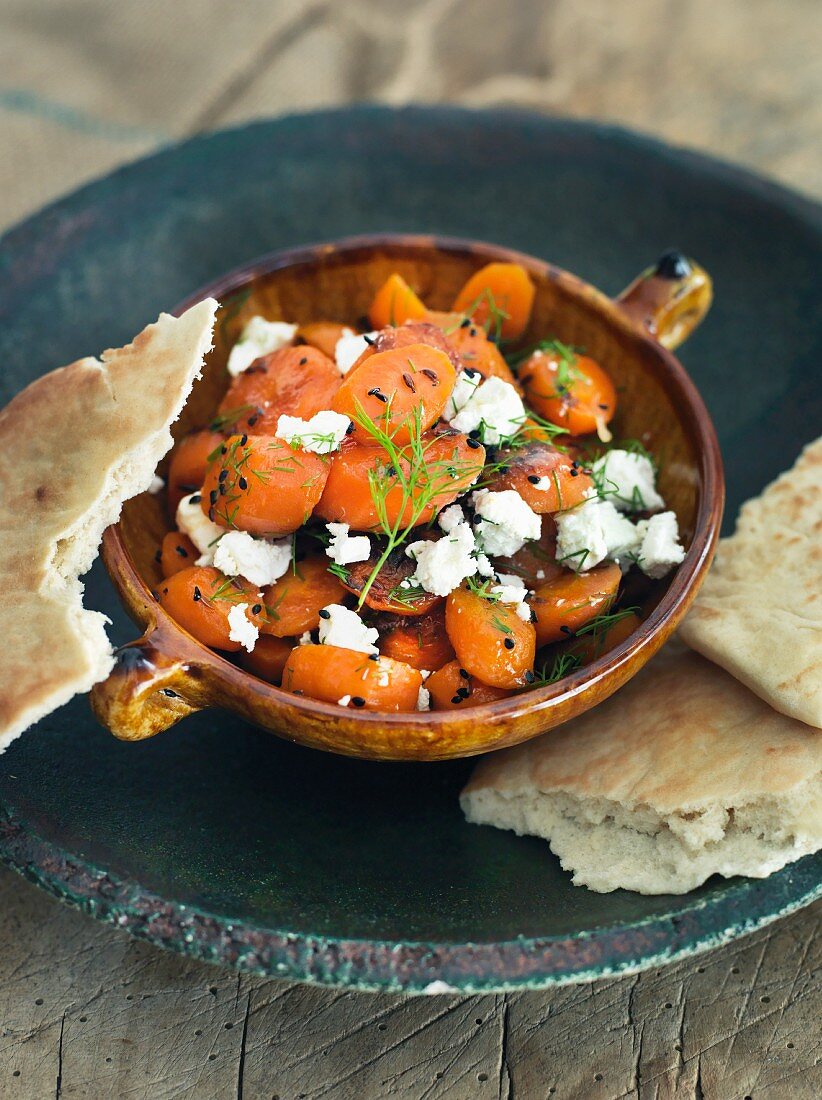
(220, 841)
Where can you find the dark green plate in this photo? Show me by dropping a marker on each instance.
(220, 841)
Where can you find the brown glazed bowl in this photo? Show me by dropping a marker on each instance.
(167, 674)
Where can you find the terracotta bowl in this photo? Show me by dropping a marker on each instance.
(167, 674)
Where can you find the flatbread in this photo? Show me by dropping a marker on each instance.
(73, 446)
(759, 612)
(682, 774)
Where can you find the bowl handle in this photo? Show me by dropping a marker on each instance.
(669, 299)
(148, 689)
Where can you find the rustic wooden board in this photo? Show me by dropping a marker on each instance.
(87, 1012)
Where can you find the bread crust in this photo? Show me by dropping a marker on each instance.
(74, 445)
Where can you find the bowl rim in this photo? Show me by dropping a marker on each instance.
(674, 378)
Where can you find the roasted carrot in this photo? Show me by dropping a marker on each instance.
(568, 602)
(178, 552)
(259, 484)
(452, 687)
(420, 642)
(490, 640)
(412, 332)
(386, 592)
(293, 603)
(536, 562)
(200, 598)
(329, 673)
(323, 335)
(395, 303)
(570, 390)
(477, 352)
(548, 480)
(499, 295)
(267, 659)
(598, 642)
(299, 381)
(188, 465)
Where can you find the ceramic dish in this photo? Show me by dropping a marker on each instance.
(221, 842)
(168, 674)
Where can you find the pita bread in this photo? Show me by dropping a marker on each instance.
(759, 612)
(73, 446)
(682, 774)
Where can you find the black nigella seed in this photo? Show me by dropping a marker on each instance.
(325, 614)
(456, 699)
(196, 498)
(373, 656)
(409, 381)
(574, 473)
(304, 360)
(369, 340)
(474, 444)
(566, 630)
(158, 556)
(349, 429)
(256, 609)
(431, 375)
(463, 692)
(212, 496)
(243, 484)
(533, 479)
(605, 407)
(466, 323)
(529, 676)
(171, 694)
(575, 465)
(223, 490)
(181, 550)
(473, 332)
(223, 475)
(509, 643)
(474, 433)
(252, 420)
(380, 396)
(211, 513)
(197, 594)
(243, 440)
(358, 701)
(224, 450)
(465, 674)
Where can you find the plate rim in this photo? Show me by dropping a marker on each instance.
(741, 907)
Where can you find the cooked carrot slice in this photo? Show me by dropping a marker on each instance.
(477, 352)
(188, 465)
(548, 480)
(199, 599)
(268, 657)
(329, 673)
(403, 336)
(403, 390)
(178, 552)
(590, 646)
(322, 335)
(490, 640)
(299, 381)
(395, 303)
(567, 602)
(385, 592)
(452, 687)
(293, 603)
(570, 390)
(499, 294)
(420, 642)
(536, 562)
(259, 484)
(452, 463)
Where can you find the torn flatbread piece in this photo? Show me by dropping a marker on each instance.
(681, 775)
(759, 612)
(74, 445)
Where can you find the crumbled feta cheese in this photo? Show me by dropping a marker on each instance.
(423, 699)
(451, 517)
(322, 434)
(512, 590)
(305, 638)
(156, 485)
(344, 700)
(349, 348)
(484, 566)
(506, 522)
(622, 537)
(192, 521)
(443, 564)
(540, 574)
(660, 550)
(494, 409)
(259, 337)
(524, 611)
(465, 386)
(628, 480)
(345, 549)
(240, 628)
(580, 538)
(544, 484)
(239, 554)
(425, 673)
(344, 628)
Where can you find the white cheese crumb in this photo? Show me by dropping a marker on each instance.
(423, 699)
(443, 564)
(465, 386)
(344, 628)
(540, 574)
(322, 434)
(494, 409)
(628, 480)
(524, 612)
(660, 550)
(484, 566)
(506, 522)
(240, 627)
(239, 554)
(425, 673)
(156, 485)
(305, 638)
(512, 590)
(451, 517)
(259, 337)
(192, 521)
(344, 700)
(580, 538)
(544, 484)
(622, 538)
(345, 549)
(349, 348)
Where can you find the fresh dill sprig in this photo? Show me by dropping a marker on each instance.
(229, 417)
(597, 626)
(563, 663)
(565, 352)
(340, 572)
(496, 314)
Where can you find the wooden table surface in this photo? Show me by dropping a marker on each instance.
(86, 85)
